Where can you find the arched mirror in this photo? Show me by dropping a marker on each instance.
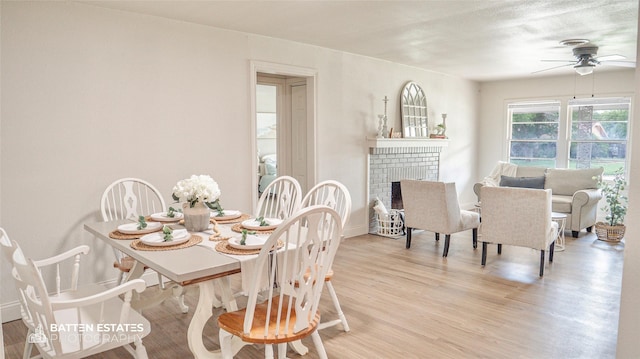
(413, 110)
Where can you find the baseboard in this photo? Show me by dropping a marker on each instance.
(355, 231)
(11, 311)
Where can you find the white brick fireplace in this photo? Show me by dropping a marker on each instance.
(391, 160)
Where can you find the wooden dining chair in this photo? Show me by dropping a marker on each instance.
(280, 199)
(335, 195)
(286, 278)
(129, 198)
(87, 324)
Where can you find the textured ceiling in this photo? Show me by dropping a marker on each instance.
(478, 40)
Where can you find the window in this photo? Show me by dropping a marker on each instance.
(599, 133)
(593, 133)
(533, 136)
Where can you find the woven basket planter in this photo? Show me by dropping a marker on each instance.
(609, 233)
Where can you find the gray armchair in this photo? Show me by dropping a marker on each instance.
(518, 217)
(433, 206)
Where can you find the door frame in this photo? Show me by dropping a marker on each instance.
(310, 75)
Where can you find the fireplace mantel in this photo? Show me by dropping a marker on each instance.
(406, 142)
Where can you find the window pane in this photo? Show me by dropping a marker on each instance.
(609, 167)
(533, 150)
(599, 131)
(544, 131)
(597, 151)
(542, 116)
(534, 163)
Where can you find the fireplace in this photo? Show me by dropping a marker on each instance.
(396, 195)
(392, 160)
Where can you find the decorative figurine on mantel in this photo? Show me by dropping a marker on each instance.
(441, 129)
(385, 130)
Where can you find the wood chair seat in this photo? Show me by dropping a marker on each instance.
(233, 323)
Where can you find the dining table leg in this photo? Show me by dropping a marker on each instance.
(160, 295)
(204, 311)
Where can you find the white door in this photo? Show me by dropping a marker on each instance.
(298, 127)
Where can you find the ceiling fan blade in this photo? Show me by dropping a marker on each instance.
(572, 61)
(555, 67)
(620, 63)
(609, 58)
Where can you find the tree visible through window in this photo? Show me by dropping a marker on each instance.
(533, 138)
(599, 133)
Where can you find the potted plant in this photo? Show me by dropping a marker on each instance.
(616, 208)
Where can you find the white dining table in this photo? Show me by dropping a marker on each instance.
(195, 265)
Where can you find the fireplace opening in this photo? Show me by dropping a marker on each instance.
(396, 195)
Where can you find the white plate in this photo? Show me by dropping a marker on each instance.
(162, 217)
(228, 214)
(157, 239)
(132, 228)
(255, 225)
(253, 242)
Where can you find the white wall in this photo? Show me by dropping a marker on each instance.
(91, 95)
(495, 95)
(629, 322)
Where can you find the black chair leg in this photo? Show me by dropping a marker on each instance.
(484, 253)
(499, 248)
(437, 237)
(475, 238)
(408, 243)
(589, 229)
(541, 263)
(551, 250)
(447, 238)
(575, 234)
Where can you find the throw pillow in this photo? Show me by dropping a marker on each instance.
(523, 182)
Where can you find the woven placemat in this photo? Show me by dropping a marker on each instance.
(224, 247)
(195, 239)
(116, 234)
(243, 217)
(238, 228)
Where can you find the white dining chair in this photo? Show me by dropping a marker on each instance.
(335, 195)
(280, 199)
(66, 280)
(88, 323)
(286, 278)
(129, 198)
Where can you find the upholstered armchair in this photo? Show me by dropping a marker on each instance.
(518, 217)
(433, 206)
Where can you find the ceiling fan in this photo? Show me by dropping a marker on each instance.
(586, 60)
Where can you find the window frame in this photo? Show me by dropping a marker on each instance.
(595, 103)
(540, 105)
(564, 140)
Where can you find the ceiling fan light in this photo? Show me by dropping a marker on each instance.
(584, 69)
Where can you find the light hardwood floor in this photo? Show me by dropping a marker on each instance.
(415, 304)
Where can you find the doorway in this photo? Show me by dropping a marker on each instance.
(283, 126)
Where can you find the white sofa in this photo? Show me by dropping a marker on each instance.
(574, 193)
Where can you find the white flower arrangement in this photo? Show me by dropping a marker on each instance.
(197, 189)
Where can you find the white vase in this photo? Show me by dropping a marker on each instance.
(196, 218)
